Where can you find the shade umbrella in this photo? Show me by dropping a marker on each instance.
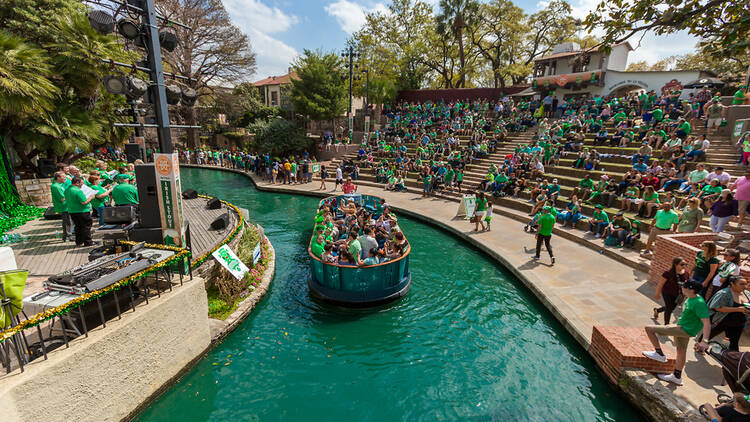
(700, 83)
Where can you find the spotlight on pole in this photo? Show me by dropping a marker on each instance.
(102, 21)
(168, 40)
(128, 28)
(174, 93)
(115, 84)
(135, 88)
(189, 97)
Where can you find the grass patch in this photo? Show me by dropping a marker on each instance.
(217, 307)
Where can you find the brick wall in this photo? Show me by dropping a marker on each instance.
(667, 247)
(617, 348)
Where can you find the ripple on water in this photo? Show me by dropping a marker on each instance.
(467, 343)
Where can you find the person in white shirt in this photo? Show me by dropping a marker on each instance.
(339, 178)
(719, 174)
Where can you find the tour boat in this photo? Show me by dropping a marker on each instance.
(358, 286)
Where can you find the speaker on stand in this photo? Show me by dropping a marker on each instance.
(147, 196)
(133, 152)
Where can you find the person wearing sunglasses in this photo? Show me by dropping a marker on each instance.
(669, 288)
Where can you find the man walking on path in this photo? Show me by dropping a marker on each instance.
(694, 318)
(546, 223)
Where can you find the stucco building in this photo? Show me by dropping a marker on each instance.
(274, 90)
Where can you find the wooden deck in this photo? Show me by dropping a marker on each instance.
(44, 254)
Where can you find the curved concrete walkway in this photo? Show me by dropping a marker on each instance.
(583, 288)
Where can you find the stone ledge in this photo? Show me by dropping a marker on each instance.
(615, 348)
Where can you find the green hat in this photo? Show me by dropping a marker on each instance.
(547, 209)
(599, 206)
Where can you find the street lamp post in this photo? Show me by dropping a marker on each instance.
(350, 56)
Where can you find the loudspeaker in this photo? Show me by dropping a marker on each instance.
(133, 152)
(46, 167)
(50, 214)
(147, 195)
(220, 223)
(213, 204)
(122, 214)
(189, 194)
(146, 234)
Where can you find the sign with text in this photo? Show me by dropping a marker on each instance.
(169, 189)
(738, 129)
(256, 254)
(229, 260)
(466, 206)
(316, 167)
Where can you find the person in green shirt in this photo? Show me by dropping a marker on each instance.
(481, 207)
(125, 193)
(599, 221)
(79, 208)
(546, 223)
(459, 179)
(739, 96)
(683, 129)
(695, 318)
(97, 203)
(58, 202)
(664, 222)
(317, 246)
(583, 190)
(658, 114)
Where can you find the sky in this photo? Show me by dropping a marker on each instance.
(279, 30)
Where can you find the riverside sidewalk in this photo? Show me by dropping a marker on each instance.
(583, 288)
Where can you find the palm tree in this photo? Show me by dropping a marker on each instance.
(454, 17)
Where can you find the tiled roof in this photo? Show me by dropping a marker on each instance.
(574, 53)
(277, 80)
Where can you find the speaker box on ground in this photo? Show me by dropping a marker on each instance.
(221, 223)
(213, 204)
(133, 152)
(145, 234)
(147, 195)
(189, 194)
(121, 214)
(50, 214)
(46, 167)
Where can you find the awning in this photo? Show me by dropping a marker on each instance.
(525, 93)
(700, 83)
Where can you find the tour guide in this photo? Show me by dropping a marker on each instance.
(546, 223)
(695, 316)
(79, 208)
(58, 201)
(125, 193)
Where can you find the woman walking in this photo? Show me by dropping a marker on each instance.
(706, 265)
(722, 211)
(481, 208)
(323, 177)
(669, 288)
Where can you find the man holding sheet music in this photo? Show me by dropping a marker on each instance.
(78, 204)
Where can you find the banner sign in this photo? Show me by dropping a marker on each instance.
(229, 260)
(316, 168)
(738, 129)
(466, 206)
(168, 187)
(256, 254)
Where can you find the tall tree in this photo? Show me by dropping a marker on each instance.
(548, 28)
(454, 18)
(214, 52)
(320, 90)
(722, 25)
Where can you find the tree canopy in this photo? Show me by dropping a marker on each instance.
(320, 90)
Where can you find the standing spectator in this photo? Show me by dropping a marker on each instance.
(694, 319)
(722, 211)
(691, 216)
(481, 208)
(739, 96)
(669, 288)
(742, 194)
(706, 265)
(79, 208)
(546, 224)
(663, 223)
(729, 268)
(715, 116)
(339, 178)
(58, 202)
(323, 177)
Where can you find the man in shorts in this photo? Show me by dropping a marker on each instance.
(694, 319)
(339, 178)
(715, 116)
(664, 222)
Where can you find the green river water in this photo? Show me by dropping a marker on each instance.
(468, 342)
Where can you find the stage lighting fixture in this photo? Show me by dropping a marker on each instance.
(168, 40)
(115, 84)
(136, 88)
(173, 94)
(128, 28)
(102, 21)
(189, 97)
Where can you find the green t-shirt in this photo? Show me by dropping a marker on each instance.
(658, 115)
(74, 199)
(710, 190)
(124, 194)
(694, 309)
(58, 197)
(481, 204)
(696, 176)
(317, 249)
(739, 97)
(586, 183)
(355, 248)
(97, 202)
(685, 128)
(665, 219)
(601, 215)
(546, 223)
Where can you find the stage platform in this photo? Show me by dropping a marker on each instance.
(45, 254)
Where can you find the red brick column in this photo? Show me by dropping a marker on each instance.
(669, 246)
(615, 348)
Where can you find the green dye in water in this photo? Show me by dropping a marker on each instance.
(468, 342)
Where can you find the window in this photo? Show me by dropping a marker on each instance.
(274, 98)
(553, 68)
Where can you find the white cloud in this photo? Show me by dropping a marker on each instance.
(259, 21)
(351, 15)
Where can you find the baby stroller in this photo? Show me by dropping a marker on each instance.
(735, 366)
(532, 226)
